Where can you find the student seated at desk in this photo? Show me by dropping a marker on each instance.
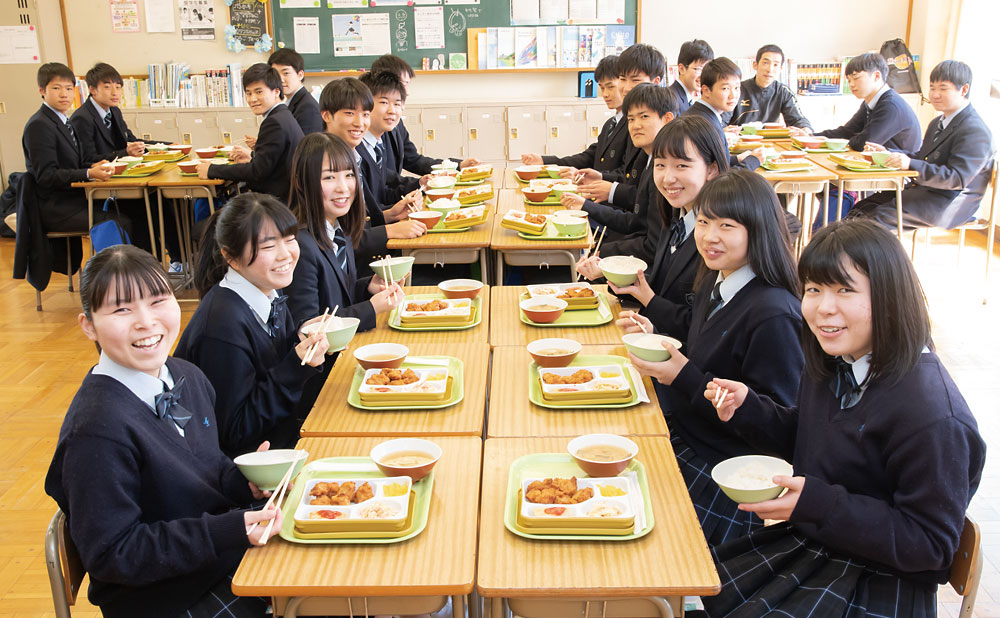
(694, 55)
(266, 169)
(346, 105)
(954, 162)
(608, 151)
(325, 199)
(155, 508)
(379, 163)
(403, 149)
(292, 69)
(648, 108)
(54, 155)
(886, 453)
(763, 98)
(242, 335)
(687, 153)
(883, 117)
(638, 64)
(746, 320)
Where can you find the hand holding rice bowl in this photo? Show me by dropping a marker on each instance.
(397, 267)
(265, 469)
(621, 270)
(649, 346)
(747, 479)
(339, 331)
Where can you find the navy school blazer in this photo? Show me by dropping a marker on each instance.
(56, 162)
(891, 123)
(97, 141)
(305, 110)
(671, 276)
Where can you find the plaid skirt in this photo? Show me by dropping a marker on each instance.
(720, 520)
(776, 571)
(220, 602)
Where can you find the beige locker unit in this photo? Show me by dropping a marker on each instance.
(565, 129)
(131, 118)
(414, 127)
(526, 130)
(597, 115)
(444, 132)
(236, 124)
(486, 128)
(157, 124)
(199, 128)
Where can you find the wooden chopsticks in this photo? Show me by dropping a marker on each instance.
(596, 248)
(639, 324)
(720, 396)
(322, 328)
(275, 500)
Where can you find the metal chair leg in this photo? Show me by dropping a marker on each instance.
(38, 300)
(69, 263)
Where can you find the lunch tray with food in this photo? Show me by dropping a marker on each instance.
(142, 169)
(474, 173)
(474, 195)
(396, 322)
(857, 163)
(432, 382)
(577, 295)
(591, 381)
(551, 233)
(597, 316)
(168, 156)
(466, 217)
(434, 311)
(357, 470)
(354, 505)
(620, 506)
(786, 165)
(774, 133)
(520, 221)
(739, 147)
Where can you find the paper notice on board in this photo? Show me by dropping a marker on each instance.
(305, 30)
(611, 11)
(19, 45)
(375, 34)
(299, 4)
(197, 20)
(346, 4)
(125, 16)
(160, 16)
(346, 35)
(428, 27)
(583, 10)
(553, 11)
(524, 11)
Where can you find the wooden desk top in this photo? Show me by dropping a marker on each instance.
(817, 174)
(382, 332)
(477, 237)
(441, 560)
(512, 414)
(333, 416)
(824, 160)
(506, 327)
(673, 559)
(171, 177)
(116, 183)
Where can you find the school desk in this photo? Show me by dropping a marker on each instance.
(517, 251)
(382, 332)
(805, 185)
(414, 576)
(513, 415)
(507, 329)
(596, 578)
(466, 247)
(120, 188)
(333, 416)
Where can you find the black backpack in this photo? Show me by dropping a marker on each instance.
(902, 77)
(8, 202)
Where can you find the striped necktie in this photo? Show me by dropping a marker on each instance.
(938, 130)
(72, 134)
(168, 404)
(340, 247)
(715, 303)
(107, 120)
(379, 153)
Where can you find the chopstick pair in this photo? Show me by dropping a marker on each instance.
(275, 500)
(322, 328)
(596, 248)
(720, 396)
(387, 274)
(639, 324)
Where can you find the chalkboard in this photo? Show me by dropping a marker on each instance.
(249, 17)
(457, 20)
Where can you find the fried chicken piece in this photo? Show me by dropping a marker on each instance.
(577, 293)
(583, 495)
(323, 499)
(340, 500)
(536, 219)
(365, 492)
(322, 489)
(378, 379)
(581, 376)
(347, 491)
(413, 307)
(566, 486)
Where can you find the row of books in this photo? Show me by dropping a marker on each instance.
(216, 88)
(544, 47)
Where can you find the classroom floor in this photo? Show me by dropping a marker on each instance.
(43, 358)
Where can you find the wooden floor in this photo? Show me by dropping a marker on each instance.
(43, 358)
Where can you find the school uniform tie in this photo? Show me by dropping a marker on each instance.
(843, 384)
(612, 124)
(277, 315)
(72, 134)
(938, 131)
(340, 247)
(678, 232)
(168, 404)
(715, 302)
(107, 120)
(379, 153)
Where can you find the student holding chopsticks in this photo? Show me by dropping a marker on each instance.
(745, 322)
(886, 452)
(154, 506)
(325, 198)
(242, 334)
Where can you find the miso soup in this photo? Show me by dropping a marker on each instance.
(603, 453)
(406, 459)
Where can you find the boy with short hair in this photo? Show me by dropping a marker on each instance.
(608, 151)
(399, 138)
(694, 55)
(720, 91)
(292, 68)
(267, 169)
(389, 96)
(884, 117)
(763, 98)
(954, 161)
(99, 124)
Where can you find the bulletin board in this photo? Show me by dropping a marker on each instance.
(458, 16)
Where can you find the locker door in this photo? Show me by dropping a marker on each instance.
(158, 125)
(444, 133)
(485, 130)
(525, 130)
(411, 118)
(565, 129)
(235, 124)
(198, 128)
(597, 115)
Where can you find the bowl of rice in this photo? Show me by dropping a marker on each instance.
(747, 479)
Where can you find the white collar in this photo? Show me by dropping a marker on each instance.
(689, 222)
(100, 108)
(946, 120)
(860, 368)
(878, 95)
(142, 385)
(331, 230)
(734, 282)
(357, 158)
(61, 115)
(618, 116)
(259, 302)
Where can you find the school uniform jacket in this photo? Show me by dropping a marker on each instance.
(268, 170)
(750, 163)
(891, 123)
(627, 176)
(767, 105)
(305, 109)
(56, 162)
(888, 480)
(374, 237)
(681, 94)
(641, 226)
(396, 184)
(258, 379)
(606, 154)
(154, 515)
(753, 338)
(98, 141)
(954, 170)
(671, 276)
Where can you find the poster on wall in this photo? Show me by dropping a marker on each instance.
(19, 45)
(159, 15)
(197, 20)
(249, 19)
(124, 16)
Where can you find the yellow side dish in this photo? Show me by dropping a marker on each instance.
(610, 374)
(394, 489)
(610, 490)
(437, 376)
